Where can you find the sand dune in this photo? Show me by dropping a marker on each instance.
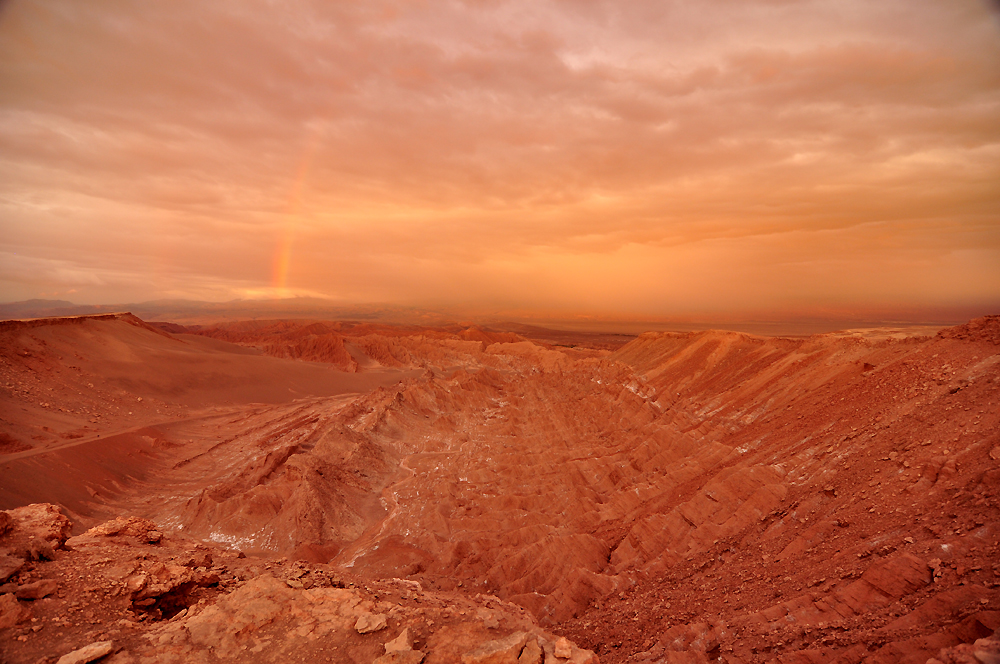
(76, 377)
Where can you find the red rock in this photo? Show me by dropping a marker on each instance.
(404, 641)
(35, 531)
(532, 653)
(86, 654)
(12, 612)
(499, 651)
(369, 622)
(9, 565)
(564, 655)
(36, 589)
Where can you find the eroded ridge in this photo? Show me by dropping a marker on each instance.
(683, 498)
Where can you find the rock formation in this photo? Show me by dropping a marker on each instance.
(125, 590)
(685, 497)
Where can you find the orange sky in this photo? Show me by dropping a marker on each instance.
(655, 157)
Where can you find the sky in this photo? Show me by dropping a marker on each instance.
(647, 157)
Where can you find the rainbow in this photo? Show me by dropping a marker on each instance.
(282, 261)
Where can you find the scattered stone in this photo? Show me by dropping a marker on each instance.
(86, 654)
(371, 622)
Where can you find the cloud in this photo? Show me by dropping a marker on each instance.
(15, 267)
(457, 151)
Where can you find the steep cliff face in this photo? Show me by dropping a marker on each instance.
(854, 517)
(684, 498)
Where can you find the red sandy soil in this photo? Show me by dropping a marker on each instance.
(67, 378)
(685, 498)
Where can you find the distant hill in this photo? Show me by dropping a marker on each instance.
(598, 331)
(188, 312)
(49, 308)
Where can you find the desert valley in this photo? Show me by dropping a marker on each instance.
(308, 490)
(500, 332)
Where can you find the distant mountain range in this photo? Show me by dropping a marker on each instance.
(193, 312)
(532, 325)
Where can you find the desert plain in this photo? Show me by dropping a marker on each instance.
(357, 492)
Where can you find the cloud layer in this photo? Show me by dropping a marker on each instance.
(658, 157)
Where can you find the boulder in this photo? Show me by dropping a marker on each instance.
(532, 653)
(198, 559)
(86, 654)
(36, 589)
(11, 611)
(9, 565)
(371, 622)
(500, 651)
(143, 529)
(402, 642)
(39, 521)
(571, 655)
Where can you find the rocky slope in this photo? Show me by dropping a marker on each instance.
(124, 592)
(685, 498)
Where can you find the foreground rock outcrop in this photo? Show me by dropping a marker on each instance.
(125, 592)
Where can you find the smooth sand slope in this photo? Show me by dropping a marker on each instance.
(81, 393)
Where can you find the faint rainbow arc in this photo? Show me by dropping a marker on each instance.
(282, 260)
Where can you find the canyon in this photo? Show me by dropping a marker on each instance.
(343, 491)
